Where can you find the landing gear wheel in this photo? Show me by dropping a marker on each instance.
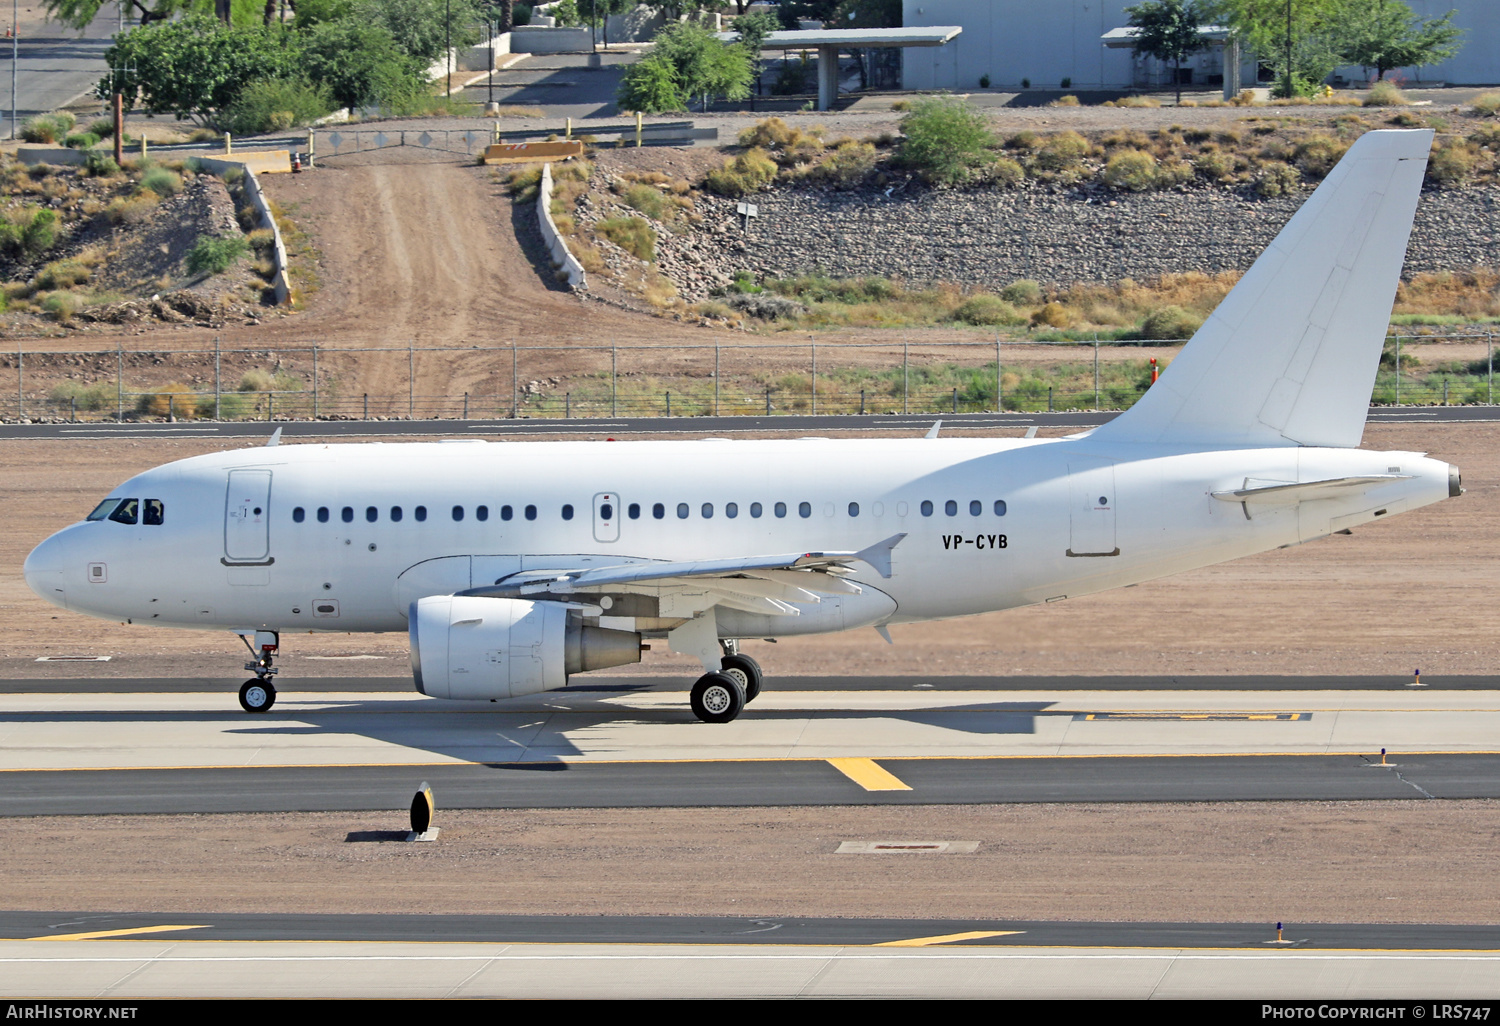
(745, 670)
(256, 695)
(717, 697)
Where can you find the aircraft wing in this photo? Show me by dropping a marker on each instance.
(762, 584)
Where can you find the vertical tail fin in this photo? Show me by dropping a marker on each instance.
(1290, 355)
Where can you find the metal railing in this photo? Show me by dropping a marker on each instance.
(592, 381)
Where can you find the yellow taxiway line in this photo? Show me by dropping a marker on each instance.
(105, 934)
(869, 774)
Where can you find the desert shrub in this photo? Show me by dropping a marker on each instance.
(48, 128)
(175, 399)
(131, 209)
(744, 174)
(1024, 140)
(1065, 101)
(1137, 101)
(1317, 154)
(1023, 292)
(1384, 94)
(214, 254)
(62, 274)
(1485, 105)
(81, 140)
(1169, 322)
(1453, 164)
(28, 232)
(849, 164)
(104, 128)
(945, 139)
(767, 134)
(162, 182)
(1214, 164)
(89, 398)
(1244, 98)
(276, 104)
(985, 309)
(1276, 179)
(1053, 315)
(62, 306)
(647, 200)
(1486, 135)
(100, 164)
(1131, 170)
(1062, 150)
(1006, 172)
(632, 234)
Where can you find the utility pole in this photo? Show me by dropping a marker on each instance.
(448, 40)
(15, 59)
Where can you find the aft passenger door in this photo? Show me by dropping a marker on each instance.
(1091, 516)
(606, 517)
(247, 517)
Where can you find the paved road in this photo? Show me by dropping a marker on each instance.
(620, 745)
(689, 425)
(56, 65)
(534, 929)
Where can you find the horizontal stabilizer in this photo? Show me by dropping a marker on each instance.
(1290, 355)
(1291, 494)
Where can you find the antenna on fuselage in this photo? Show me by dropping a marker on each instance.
(275, 438)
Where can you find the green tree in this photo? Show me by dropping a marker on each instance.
(195, 67)
(1302, 41)
(1386, 34)
(945, 139)
(423, 27)
(650, 86)
(362, 65)
(78, 14)
(702, 66)
(753, 30)
(1168, 31)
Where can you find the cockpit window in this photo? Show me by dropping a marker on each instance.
(153, 512)
(103, 510)
(127, 512)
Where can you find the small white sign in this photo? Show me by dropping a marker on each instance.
(747, 209)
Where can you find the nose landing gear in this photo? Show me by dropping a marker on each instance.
(258, 694)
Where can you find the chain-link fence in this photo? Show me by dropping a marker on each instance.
(604, 381)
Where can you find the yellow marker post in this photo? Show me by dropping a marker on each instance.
(637, 129)
(568, 131)
(947, 938)
(228, 144)
(869, 775)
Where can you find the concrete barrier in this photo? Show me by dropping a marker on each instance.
(533, 39)
(531, 153)
(49, 155)
(279, 284)
(567, 264)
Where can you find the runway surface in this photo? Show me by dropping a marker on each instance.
(658, 425)
(624, 745)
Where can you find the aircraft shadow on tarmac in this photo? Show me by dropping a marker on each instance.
(542, 738)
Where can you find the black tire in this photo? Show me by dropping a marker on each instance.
(257, 696)
(717, 697)
(746, 671)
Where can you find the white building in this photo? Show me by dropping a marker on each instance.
(1056, 44)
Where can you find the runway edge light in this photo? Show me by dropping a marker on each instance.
(422, 807)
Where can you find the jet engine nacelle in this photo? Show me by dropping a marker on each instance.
(472, 647)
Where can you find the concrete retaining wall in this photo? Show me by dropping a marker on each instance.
(567, 264)
(531, 39)
(263, 209)
(483, 57)
(49, 155)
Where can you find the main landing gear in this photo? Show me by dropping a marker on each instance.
(258, 694)
(720, 696)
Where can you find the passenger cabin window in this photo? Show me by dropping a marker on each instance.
(999, 507)
(153, 513)
(854, 509)
(755, 510)
(103, 510)
(634, 511)
(371, 514)
(606, 511)
(708, 511)
(950, 508)
(395, 514)
(927, 507)
(567, 511)
(731, 510)
(322, 514)
(298, 515)
(975, 507)
(127, 512)
(781, 509)
(658, 511)
(804, 509)
(682, 511)
(530, 512)
(420, 513)
(481, 512)
(506, 512)
(347, 513)
(458, 513)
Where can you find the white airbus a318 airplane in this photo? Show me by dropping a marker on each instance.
(515, 566)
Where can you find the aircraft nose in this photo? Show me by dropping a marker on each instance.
(44, 569)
